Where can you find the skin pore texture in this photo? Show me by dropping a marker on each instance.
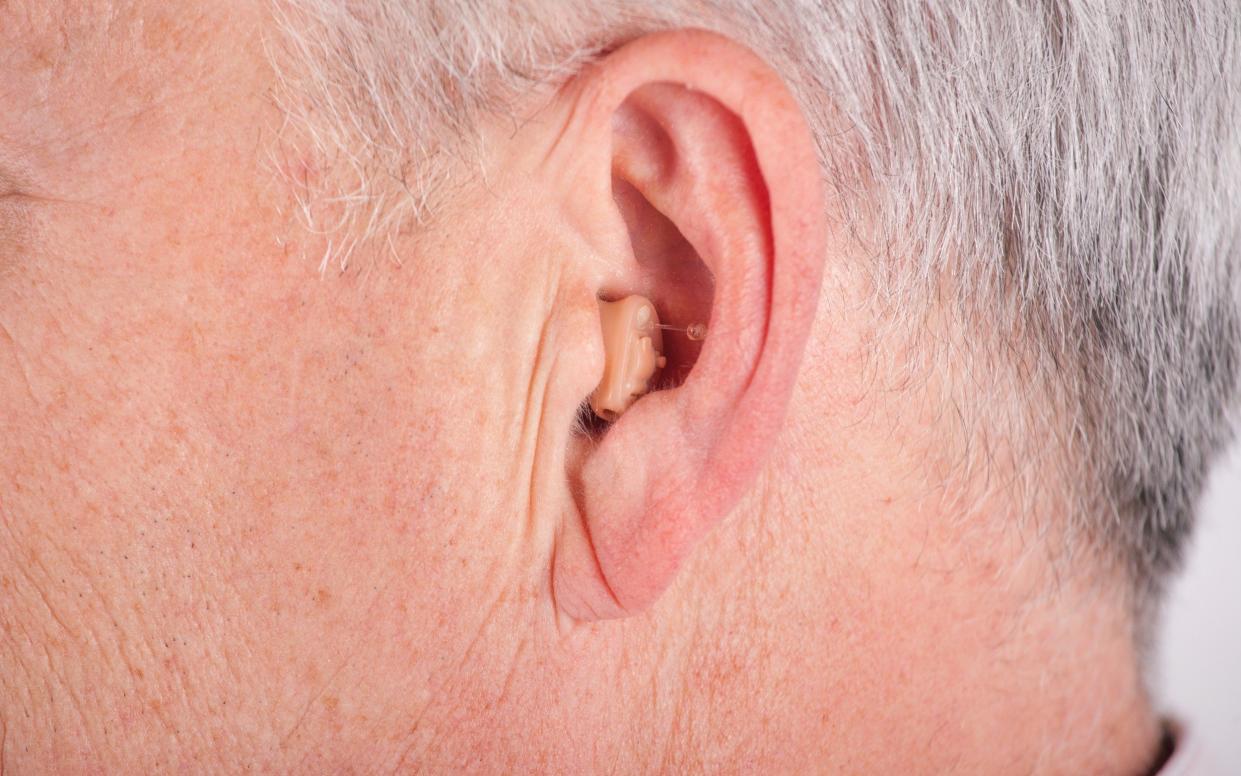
(256, 516)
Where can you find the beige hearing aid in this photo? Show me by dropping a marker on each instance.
(633, 348)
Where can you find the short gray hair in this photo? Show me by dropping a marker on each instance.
(1071, 167)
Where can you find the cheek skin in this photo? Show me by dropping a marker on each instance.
(265, 470)
(255, 493)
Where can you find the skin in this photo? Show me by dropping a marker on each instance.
(256, 517)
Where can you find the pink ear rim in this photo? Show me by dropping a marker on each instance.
(646, 493)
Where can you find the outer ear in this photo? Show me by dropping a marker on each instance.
(711, 139)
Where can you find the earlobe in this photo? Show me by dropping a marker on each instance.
(709, 140)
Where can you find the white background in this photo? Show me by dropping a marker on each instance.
(1199, 677)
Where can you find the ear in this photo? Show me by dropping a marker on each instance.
(707, 159)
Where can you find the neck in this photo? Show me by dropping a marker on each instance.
(904, 637)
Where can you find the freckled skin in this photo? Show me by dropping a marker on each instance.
(252, 516)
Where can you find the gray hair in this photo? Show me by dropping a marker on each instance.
(1072, 168)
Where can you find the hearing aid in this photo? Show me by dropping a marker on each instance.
(633, 351)
(633, 347)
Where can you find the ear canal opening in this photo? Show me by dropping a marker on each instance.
(589, 423)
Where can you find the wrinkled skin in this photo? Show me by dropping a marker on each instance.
(252, 515)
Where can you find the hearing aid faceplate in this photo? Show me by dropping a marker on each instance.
(633, 348)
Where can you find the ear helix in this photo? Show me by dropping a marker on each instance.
(633, 346)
